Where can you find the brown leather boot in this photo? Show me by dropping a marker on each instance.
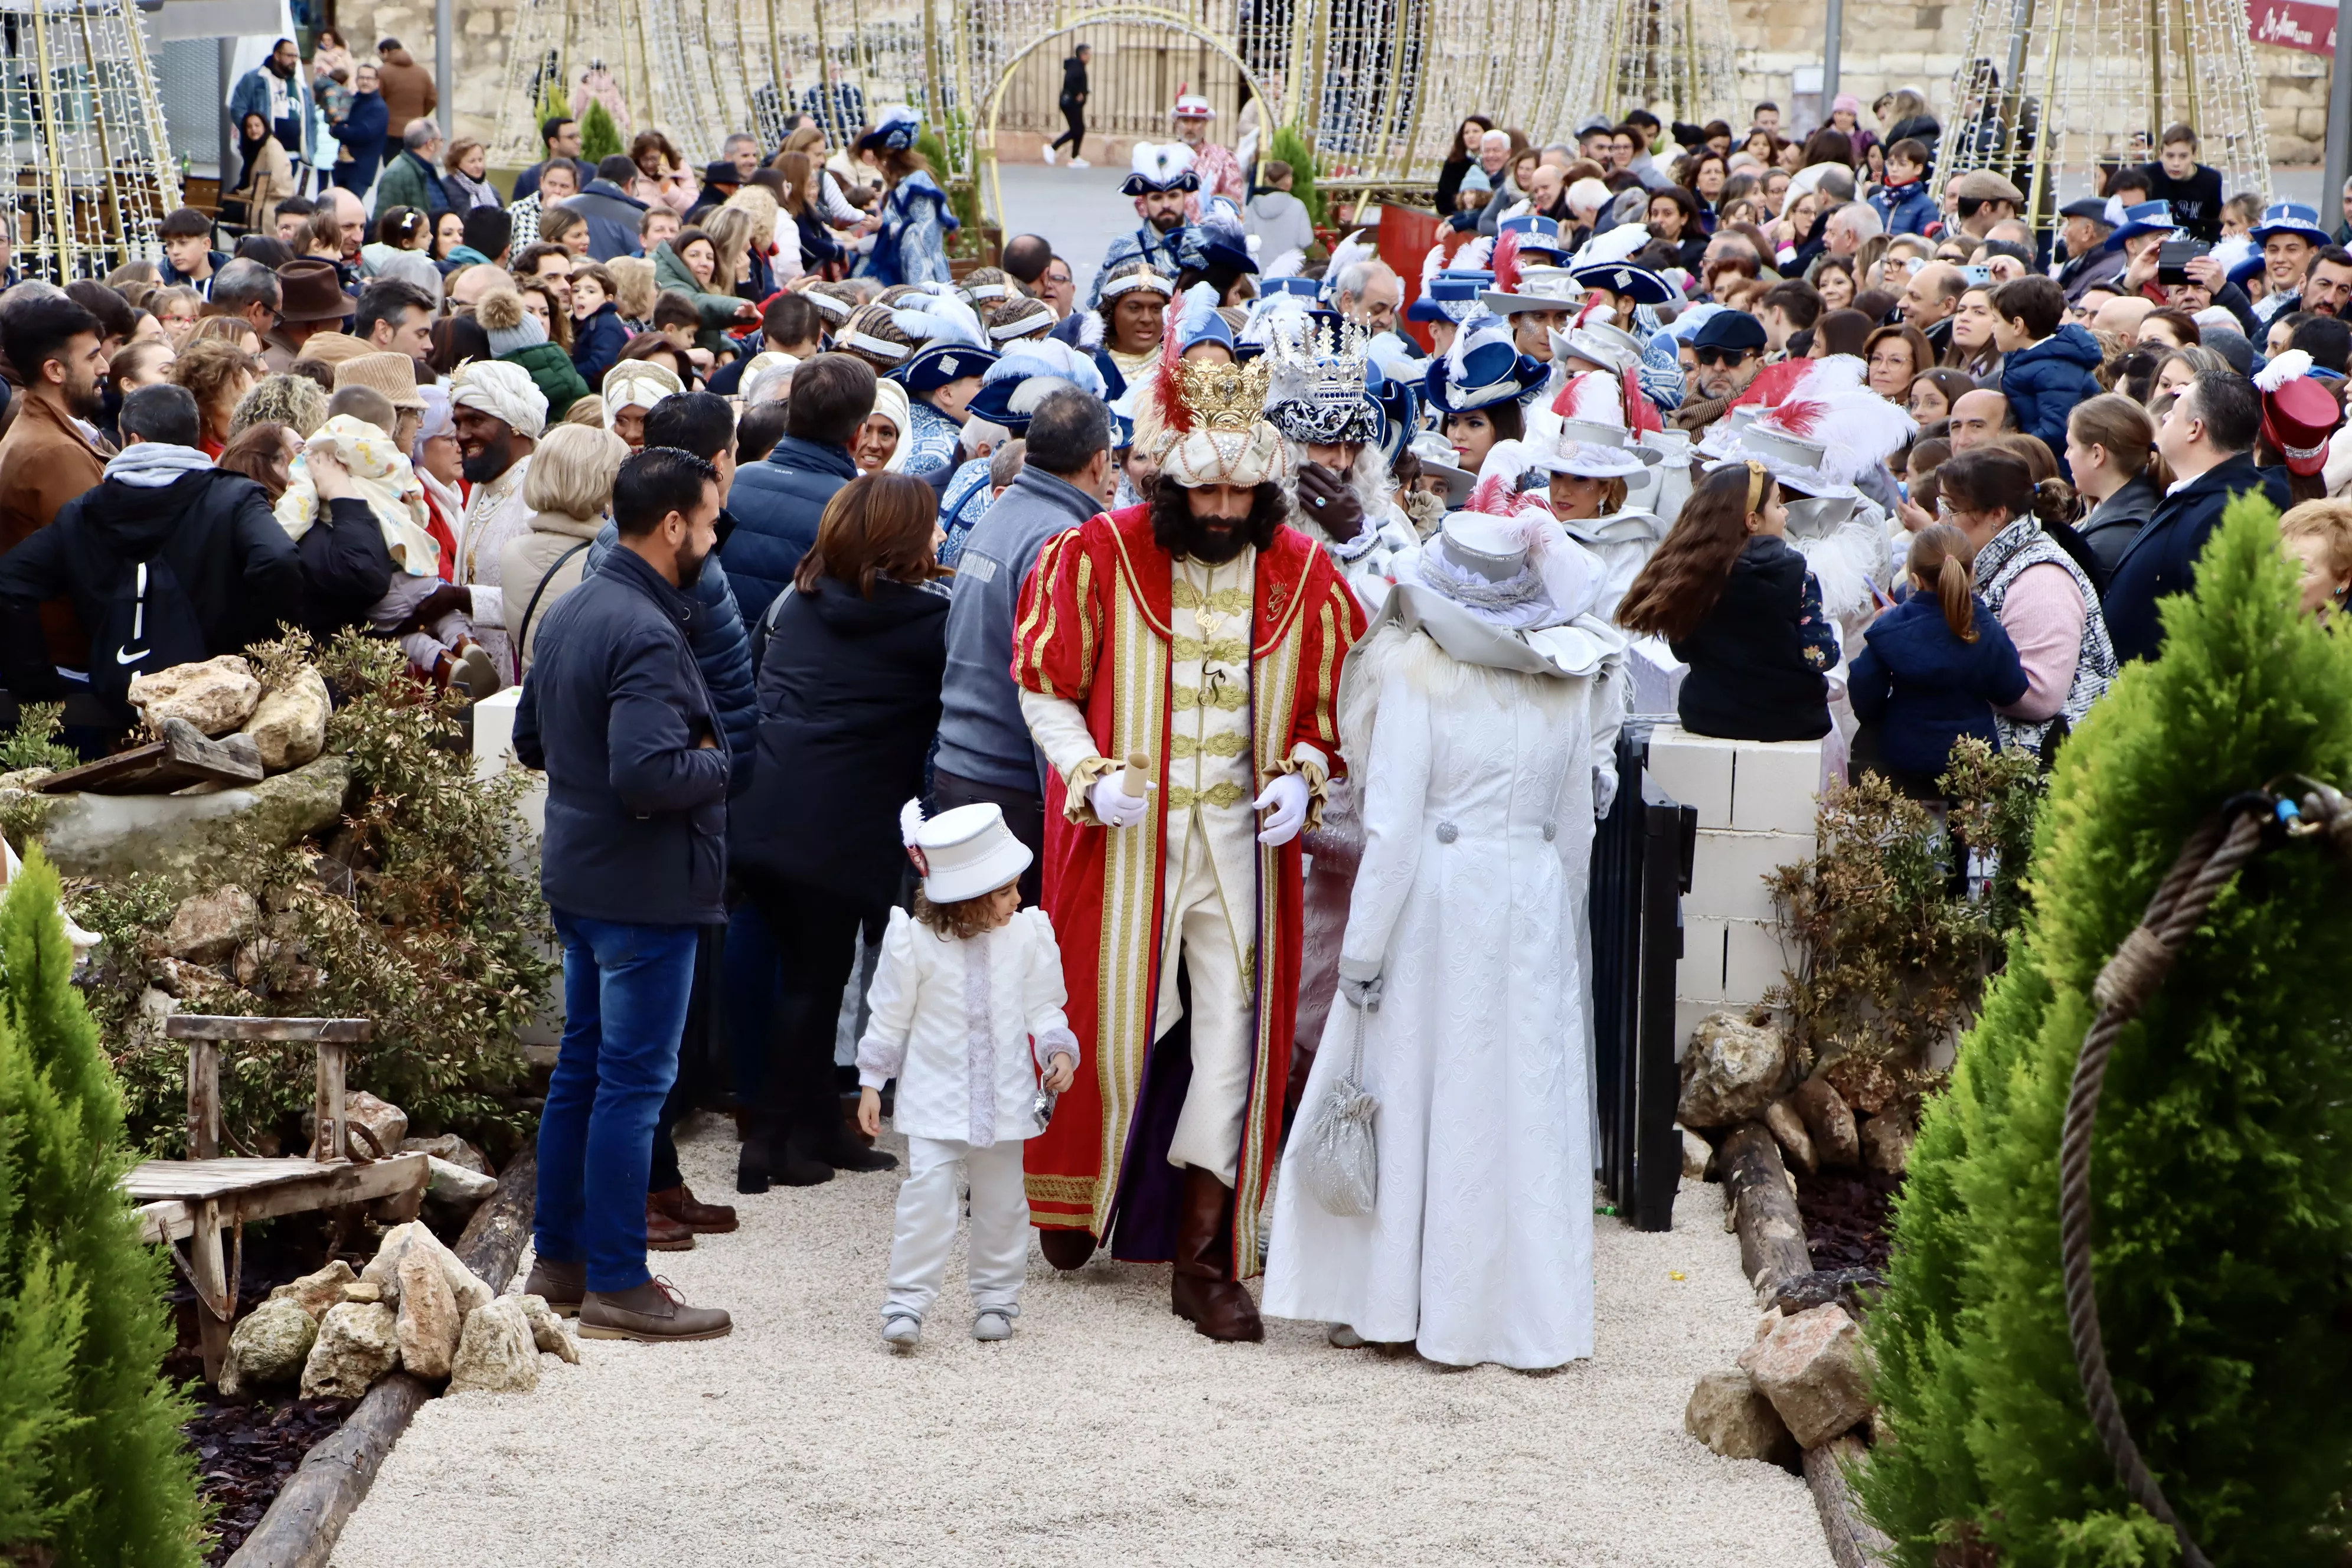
(1066, 1249)
(559, 1285)
(652, 1312)
(1204, 1290)
(664, 1234)
(679, 1203)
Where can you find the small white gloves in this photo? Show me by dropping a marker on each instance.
(1287, 798)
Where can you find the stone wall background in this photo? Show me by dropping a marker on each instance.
(1889, 43)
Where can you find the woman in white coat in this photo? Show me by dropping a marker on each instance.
(1475, 714)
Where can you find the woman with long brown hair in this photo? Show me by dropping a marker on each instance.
(911, 246)
(848, 698)
(1735, 601)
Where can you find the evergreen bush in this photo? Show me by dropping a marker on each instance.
(599, 140)
(92, 1466)
(2222, 1169)
(1288, 146)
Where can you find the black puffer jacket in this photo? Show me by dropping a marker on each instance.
(849, 698)
(1750, 680)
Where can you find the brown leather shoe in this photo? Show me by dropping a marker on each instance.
(679, 1203)
(1204, 1290)
(652, 1312)
(664, 1234)
(1066, 1249)
(559, 1285)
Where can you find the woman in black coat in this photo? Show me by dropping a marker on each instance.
(1734, 601)
(849, 698)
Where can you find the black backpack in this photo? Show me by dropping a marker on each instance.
(148, 624)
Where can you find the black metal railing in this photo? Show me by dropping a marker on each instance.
(1641, 868)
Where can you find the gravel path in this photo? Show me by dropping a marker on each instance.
(1105, 1430)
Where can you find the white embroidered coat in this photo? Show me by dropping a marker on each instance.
(1477, 799)
(960, 1024)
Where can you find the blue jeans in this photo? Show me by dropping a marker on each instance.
(625, 989)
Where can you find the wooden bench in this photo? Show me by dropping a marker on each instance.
(199, 1199)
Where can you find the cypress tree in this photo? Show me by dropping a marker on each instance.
(92, 1466)
(598, 138)
(2222, 1169)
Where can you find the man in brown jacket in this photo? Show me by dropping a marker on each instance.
(407, 86)
(51, 454)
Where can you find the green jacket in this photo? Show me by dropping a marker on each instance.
(550, 371)
(672, 276)
(408, 181)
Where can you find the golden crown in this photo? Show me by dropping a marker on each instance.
(1223, 396)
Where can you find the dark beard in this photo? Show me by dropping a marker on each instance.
(689, 569)
(496, 459)
(1167, 223)
(86, 403)
(1175, 530)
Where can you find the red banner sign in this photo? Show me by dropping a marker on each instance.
(2307, 24)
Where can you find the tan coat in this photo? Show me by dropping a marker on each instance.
(272, 182)
(526, 562)
(45, 462)
(408, 94)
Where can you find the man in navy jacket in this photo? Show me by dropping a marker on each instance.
(2206, 439)
(778, 502)
(633, 862)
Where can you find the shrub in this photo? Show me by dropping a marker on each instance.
(32, 743)
(92, 1466)
(418, 914)
(2223, 1162)
(1289, 146)
(599, 138)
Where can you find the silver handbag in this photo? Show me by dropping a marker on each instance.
(1341, 1162)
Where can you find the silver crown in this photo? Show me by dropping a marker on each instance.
(1321, 363)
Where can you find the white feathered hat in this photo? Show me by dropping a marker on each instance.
(963, 853)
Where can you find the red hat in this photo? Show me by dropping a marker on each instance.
(2298, 413)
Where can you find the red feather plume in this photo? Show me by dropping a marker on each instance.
(1775, 382)
(1506, 263)
(1641, 414)
(1798, 416)
(1493, 497)
(1166, 388)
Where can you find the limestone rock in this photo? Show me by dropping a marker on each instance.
(1727, 1414)
(1732, 1070)
(1697, 1154)
(1789, 1128)
(267, 1348)
(362, 1290)
(193, 984)
(445, 1182)
(112, 837)
(1836, 1140)
(450, 1147)
(1864, 1083)
(314, 1293)
(215, 696)
(385, 1122)
(206, 926)
(290, 724)
(1811, 1367)
(1886, 1143)
(429, 1323)
(547, 1329)
(358, 1343)
(383, 1270)
(1849, 1288)
(500, 1354)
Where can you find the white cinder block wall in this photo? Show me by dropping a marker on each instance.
(1755, 804)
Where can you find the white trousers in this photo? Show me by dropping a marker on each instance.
(1202, 929)
(999, 1252)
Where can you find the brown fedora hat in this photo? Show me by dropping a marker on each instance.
(313, 291)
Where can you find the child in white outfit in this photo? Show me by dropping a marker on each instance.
(967, 1012)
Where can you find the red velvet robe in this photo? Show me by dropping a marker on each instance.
(1093, 628)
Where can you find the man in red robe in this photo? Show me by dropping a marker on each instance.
(1196, 631)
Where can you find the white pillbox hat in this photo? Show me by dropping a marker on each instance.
(962, 853)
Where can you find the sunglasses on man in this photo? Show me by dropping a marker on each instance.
(1714, 359)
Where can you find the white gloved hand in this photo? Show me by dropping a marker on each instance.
(1287, 798)
(1363, 995)
(1604, 789)
(1115, 805)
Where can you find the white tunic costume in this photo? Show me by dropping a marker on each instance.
(1476, 744)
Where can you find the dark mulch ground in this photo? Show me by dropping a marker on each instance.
(247, 1449)
(244, 1452)
(1846, 1218)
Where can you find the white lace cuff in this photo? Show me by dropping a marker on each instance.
(1053, 1043)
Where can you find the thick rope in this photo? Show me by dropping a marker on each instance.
(2206, 862)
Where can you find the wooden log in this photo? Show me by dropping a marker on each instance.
(303, 1525)
(183, 757)
(1853, 1541)
(214, 1305)
(1764, 1210)
(309, 1514)
(212, 1026)
(331, 1140)
(203, 1100)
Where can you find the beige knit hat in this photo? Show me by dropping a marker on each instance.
(393, 374)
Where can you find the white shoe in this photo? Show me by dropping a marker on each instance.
(901, 1332)
(1080, 163)
(992, 1324)
(1050, 155)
